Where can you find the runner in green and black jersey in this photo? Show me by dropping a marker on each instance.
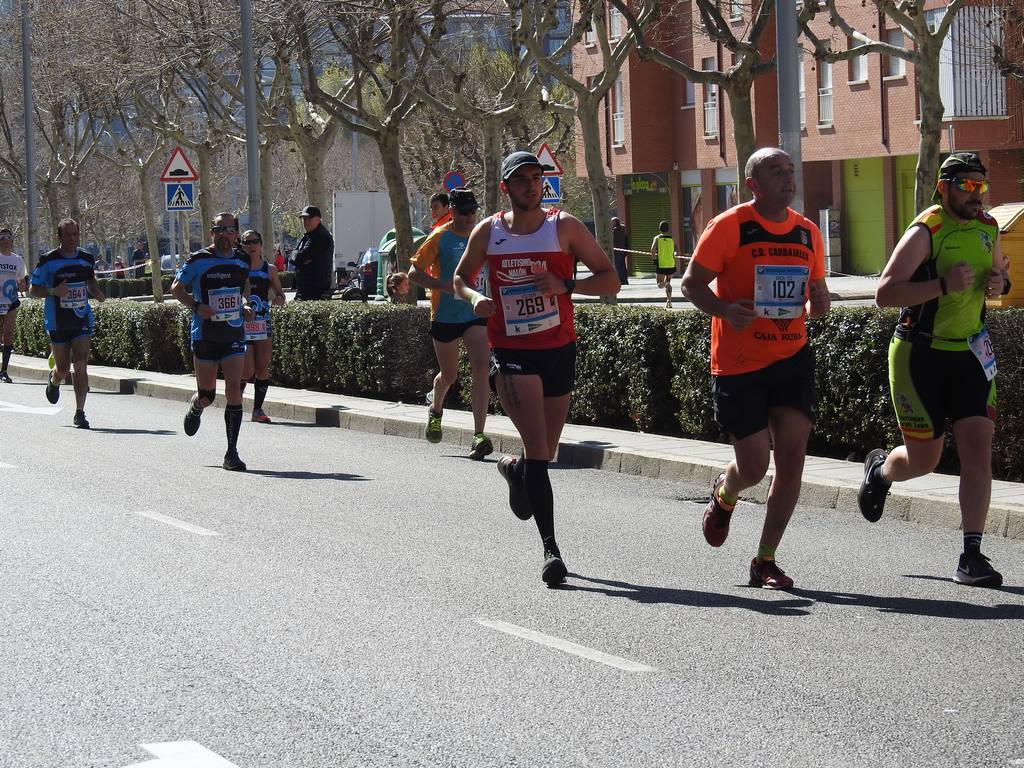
(942, 365)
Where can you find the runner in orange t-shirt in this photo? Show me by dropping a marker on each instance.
(768, 265)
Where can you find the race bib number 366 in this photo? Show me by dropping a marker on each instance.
(226, 304)
(527, 310)
(780, 291)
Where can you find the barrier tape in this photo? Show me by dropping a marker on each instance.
(140, 266)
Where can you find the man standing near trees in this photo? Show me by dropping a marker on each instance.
(941, 363)
(65, 278)
(313, 257)
(768, 260)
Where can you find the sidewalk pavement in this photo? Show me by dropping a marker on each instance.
(645, 290)
(827, 483)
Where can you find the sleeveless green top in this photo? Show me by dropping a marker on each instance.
(666, 251)
(948, 321)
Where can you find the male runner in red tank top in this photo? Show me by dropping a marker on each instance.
(530, 252)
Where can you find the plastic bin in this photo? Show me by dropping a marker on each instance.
(1011, 240)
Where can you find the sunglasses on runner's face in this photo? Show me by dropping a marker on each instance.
(970, 185)
(218, 229)
(251, 242)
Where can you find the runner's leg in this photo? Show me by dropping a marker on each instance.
(80, 357)
(790, 429)
(479, 353)
(261, 351)
(556, 411)
(915, 458)
(974, 446)
(447, 353)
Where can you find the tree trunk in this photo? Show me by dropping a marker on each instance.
(313, 155)
(266, 201)
(492, 133)
(149, 215)
(931, 123)
(53, 206)
(743, 130)
(389, 141)
(203, 154)
(587, 113)
(74, 207)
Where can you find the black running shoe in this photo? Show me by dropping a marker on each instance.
(233, 463)
(80, 421)
(518, 501)
(5, 378)
(975, 570)
(873, 490)
(52, 391)
(553, 572)
(192, 416)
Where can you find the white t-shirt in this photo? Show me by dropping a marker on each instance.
(12, 271)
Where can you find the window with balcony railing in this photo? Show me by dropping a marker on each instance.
(710, 100)
(618, 114)
(803, 89)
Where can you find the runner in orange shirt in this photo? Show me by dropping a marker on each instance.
(769, 267)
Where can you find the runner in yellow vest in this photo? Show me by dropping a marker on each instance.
(663, 251)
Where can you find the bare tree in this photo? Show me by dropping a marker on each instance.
(925, 33)
(736, 81)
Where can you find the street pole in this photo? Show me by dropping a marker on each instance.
(788, 77)
(31, 204)
(252, 135)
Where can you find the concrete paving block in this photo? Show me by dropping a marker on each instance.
(510, 445)
(688, 472)
(995, 523)
(164, 391)
(587, 456)
(1014, 524)
(650, 466)
(932, 511)
(413, 430)
(846, 500)
(629, 463)
(819, 494)
(360, 422)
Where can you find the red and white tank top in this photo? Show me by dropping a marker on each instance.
(524, 318)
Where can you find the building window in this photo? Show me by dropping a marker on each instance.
(710, 100)
(614, 23)
(618, 114)
(689, 94)
(735, 10)
(803, 89)
(893, 65)
(858, 65)
(590, 36)
(824, 93)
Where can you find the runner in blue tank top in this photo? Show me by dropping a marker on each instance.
(263, 281)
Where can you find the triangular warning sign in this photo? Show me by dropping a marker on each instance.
(179, 168)
(548, 162)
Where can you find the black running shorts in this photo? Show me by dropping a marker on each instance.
(743, 401)
(215, 351)
(448, 332)
(556, 367)
(66, 337)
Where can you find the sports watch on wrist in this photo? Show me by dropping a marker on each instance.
(570, 285)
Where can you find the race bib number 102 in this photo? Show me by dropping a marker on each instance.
(780, 291)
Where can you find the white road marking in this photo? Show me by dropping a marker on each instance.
(45, 410)
(182, 754)
(7, 466)
(176, 523)
(566, 645)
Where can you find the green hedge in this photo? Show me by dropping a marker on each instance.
(122, 288)
(638, 367)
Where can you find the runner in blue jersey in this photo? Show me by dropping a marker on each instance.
(12, 280)
(452, 318)
(65, 278)
(263, 281)
(213, 283)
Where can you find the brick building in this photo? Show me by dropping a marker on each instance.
(669, 142)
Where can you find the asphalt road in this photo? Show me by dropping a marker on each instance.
(358, 600)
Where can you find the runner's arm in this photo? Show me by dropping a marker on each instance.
(697, 289)
(820, 301)
(603, 280)
(95, 290)
(472, 261)
(895, 288)
(425, 279)
(275, 284)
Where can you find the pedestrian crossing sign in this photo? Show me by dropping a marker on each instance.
(180, 196)
(552, 189)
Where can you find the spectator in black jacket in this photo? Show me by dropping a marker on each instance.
(313, 258)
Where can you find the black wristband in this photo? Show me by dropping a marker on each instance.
(1007, 285)
(570, 285)
(942, 286)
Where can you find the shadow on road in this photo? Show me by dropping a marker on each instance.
(303, 475)
(667, 595)
(917, 606)
(115, 431)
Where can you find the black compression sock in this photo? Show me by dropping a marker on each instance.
(7, 356)
(233, 423)
(261, 386)
(542, 502)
